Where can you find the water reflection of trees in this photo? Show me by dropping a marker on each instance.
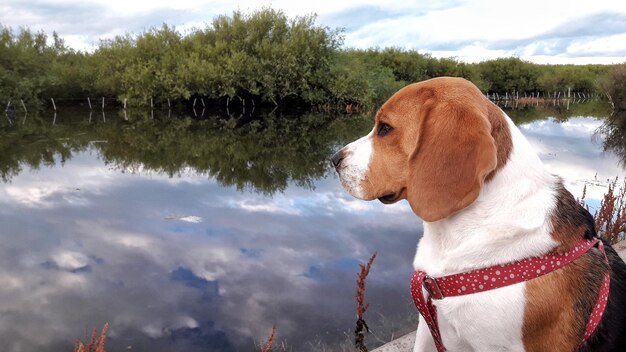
(559, 110)
(613, 133)
(34, 145)
(614, 128)
(263, 154)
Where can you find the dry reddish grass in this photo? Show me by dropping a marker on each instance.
(530, 100)
(610, 218)
(361, 306)
(96, 343)
(267, 347)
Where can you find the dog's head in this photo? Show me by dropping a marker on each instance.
(431, 144)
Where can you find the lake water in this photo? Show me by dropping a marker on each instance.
(199, 234)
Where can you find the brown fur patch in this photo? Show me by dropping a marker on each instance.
(558, 304)
(454, 154)
(447, 139)
(501, 135)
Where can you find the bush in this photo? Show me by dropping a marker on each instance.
(264, 56)
(615, 88)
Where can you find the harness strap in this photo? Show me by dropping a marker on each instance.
(426, 308)
(497, 276)
(603, 297)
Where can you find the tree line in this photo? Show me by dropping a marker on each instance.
(262, 57)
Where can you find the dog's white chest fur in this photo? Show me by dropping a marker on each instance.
(509, 221)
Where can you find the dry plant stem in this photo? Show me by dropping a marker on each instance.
(361, 307)
(360, 287)
(581, 201)
(611, 217)
(96, 343)
(267, 347)
(359, 335)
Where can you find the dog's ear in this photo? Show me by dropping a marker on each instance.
(455, 152)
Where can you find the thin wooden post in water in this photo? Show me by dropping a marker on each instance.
(102, 103)
(151, 104)
(54, 105)
(203, 105)
(194, 103)
(8, 104)
(24, 105)
(89, 101)
(54, 119)
(168, 103)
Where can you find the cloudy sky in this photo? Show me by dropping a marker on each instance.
(557, 31)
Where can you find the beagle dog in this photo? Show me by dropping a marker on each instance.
(486, 199)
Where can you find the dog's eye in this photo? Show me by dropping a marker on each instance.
(383, 129)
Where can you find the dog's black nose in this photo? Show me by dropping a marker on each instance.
(337, 158)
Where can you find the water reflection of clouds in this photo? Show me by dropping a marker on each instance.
(288, 259)
(173, 262)
(569, 150)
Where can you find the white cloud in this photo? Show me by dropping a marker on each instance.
(278, 205)
(192, 219)
(70, 260)
(540, 31)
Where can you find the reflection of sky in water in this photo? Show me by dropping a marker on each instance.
(570, 149)
(184, 263)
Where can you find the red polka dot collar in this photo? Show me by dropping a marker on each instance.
(497, 276)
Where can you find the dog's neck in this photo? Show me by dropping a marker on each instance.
(510, 220)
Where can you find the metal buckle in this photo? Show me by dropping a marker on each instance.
(431, 286)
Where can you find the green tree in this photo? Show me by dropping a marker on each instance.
(508, 75)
